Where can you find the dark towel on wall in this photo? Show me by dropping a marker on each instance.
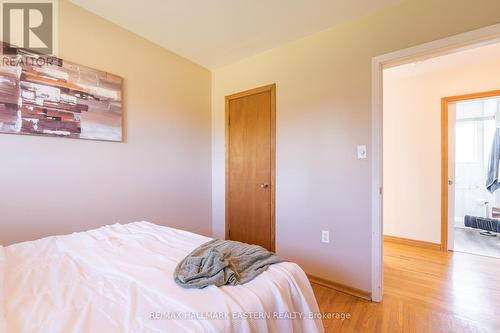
(492, 181)
(222, 262)
(482, 223)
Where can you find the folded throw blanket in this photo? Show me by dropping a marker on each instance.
(223, 262)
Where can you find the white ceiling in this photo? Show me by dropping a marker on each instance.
(463, 58)
(214, 33)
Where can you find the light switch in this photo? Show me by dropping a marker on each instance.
(361, 152)
(325, 236)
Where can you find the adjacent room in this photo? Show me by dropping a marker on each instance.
(249, 166)
(476, 203)
(464, 85)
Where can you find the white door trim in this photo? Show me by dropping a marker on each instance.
(467, 40)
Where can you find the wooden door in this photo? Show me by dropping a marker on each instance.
(250, 159)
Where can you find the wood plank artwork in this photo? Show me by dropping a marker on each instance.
(48, 96)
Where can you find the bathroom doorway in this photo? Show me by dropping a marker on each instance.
(472, 182)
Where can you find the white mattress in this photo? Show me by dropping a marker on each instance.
(118, 278)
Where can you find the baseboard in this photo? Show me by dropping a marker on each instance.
(340, 287)
(412, 242)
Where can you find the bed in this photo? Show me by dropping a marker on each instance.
(118, 278)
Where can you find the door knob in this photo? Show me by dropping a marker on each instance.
(264, 185)
(450, 182)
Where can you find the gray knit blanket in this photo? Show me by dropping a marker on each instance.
(223, 262)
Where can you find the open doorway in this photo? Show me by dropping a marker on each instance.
(428, 134)
(412, 134)
(414, 56)
(471, 185)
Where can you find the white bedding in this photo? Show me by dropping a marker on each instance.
(118, 278)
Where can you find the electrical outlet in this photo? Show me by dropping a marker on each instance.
(361, 152)
(325, 236)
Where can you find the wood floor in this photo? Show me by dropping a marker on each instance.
(424, 291)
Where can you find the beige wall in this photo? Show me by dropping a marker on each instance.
(161, 173)
(412, 135)
(323, 113)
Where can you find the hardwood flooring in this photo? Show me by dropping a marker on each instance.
(426, 291)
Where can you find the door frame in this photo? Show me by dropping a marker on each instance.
(463, 41)
(272, 89)
(445, 101)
